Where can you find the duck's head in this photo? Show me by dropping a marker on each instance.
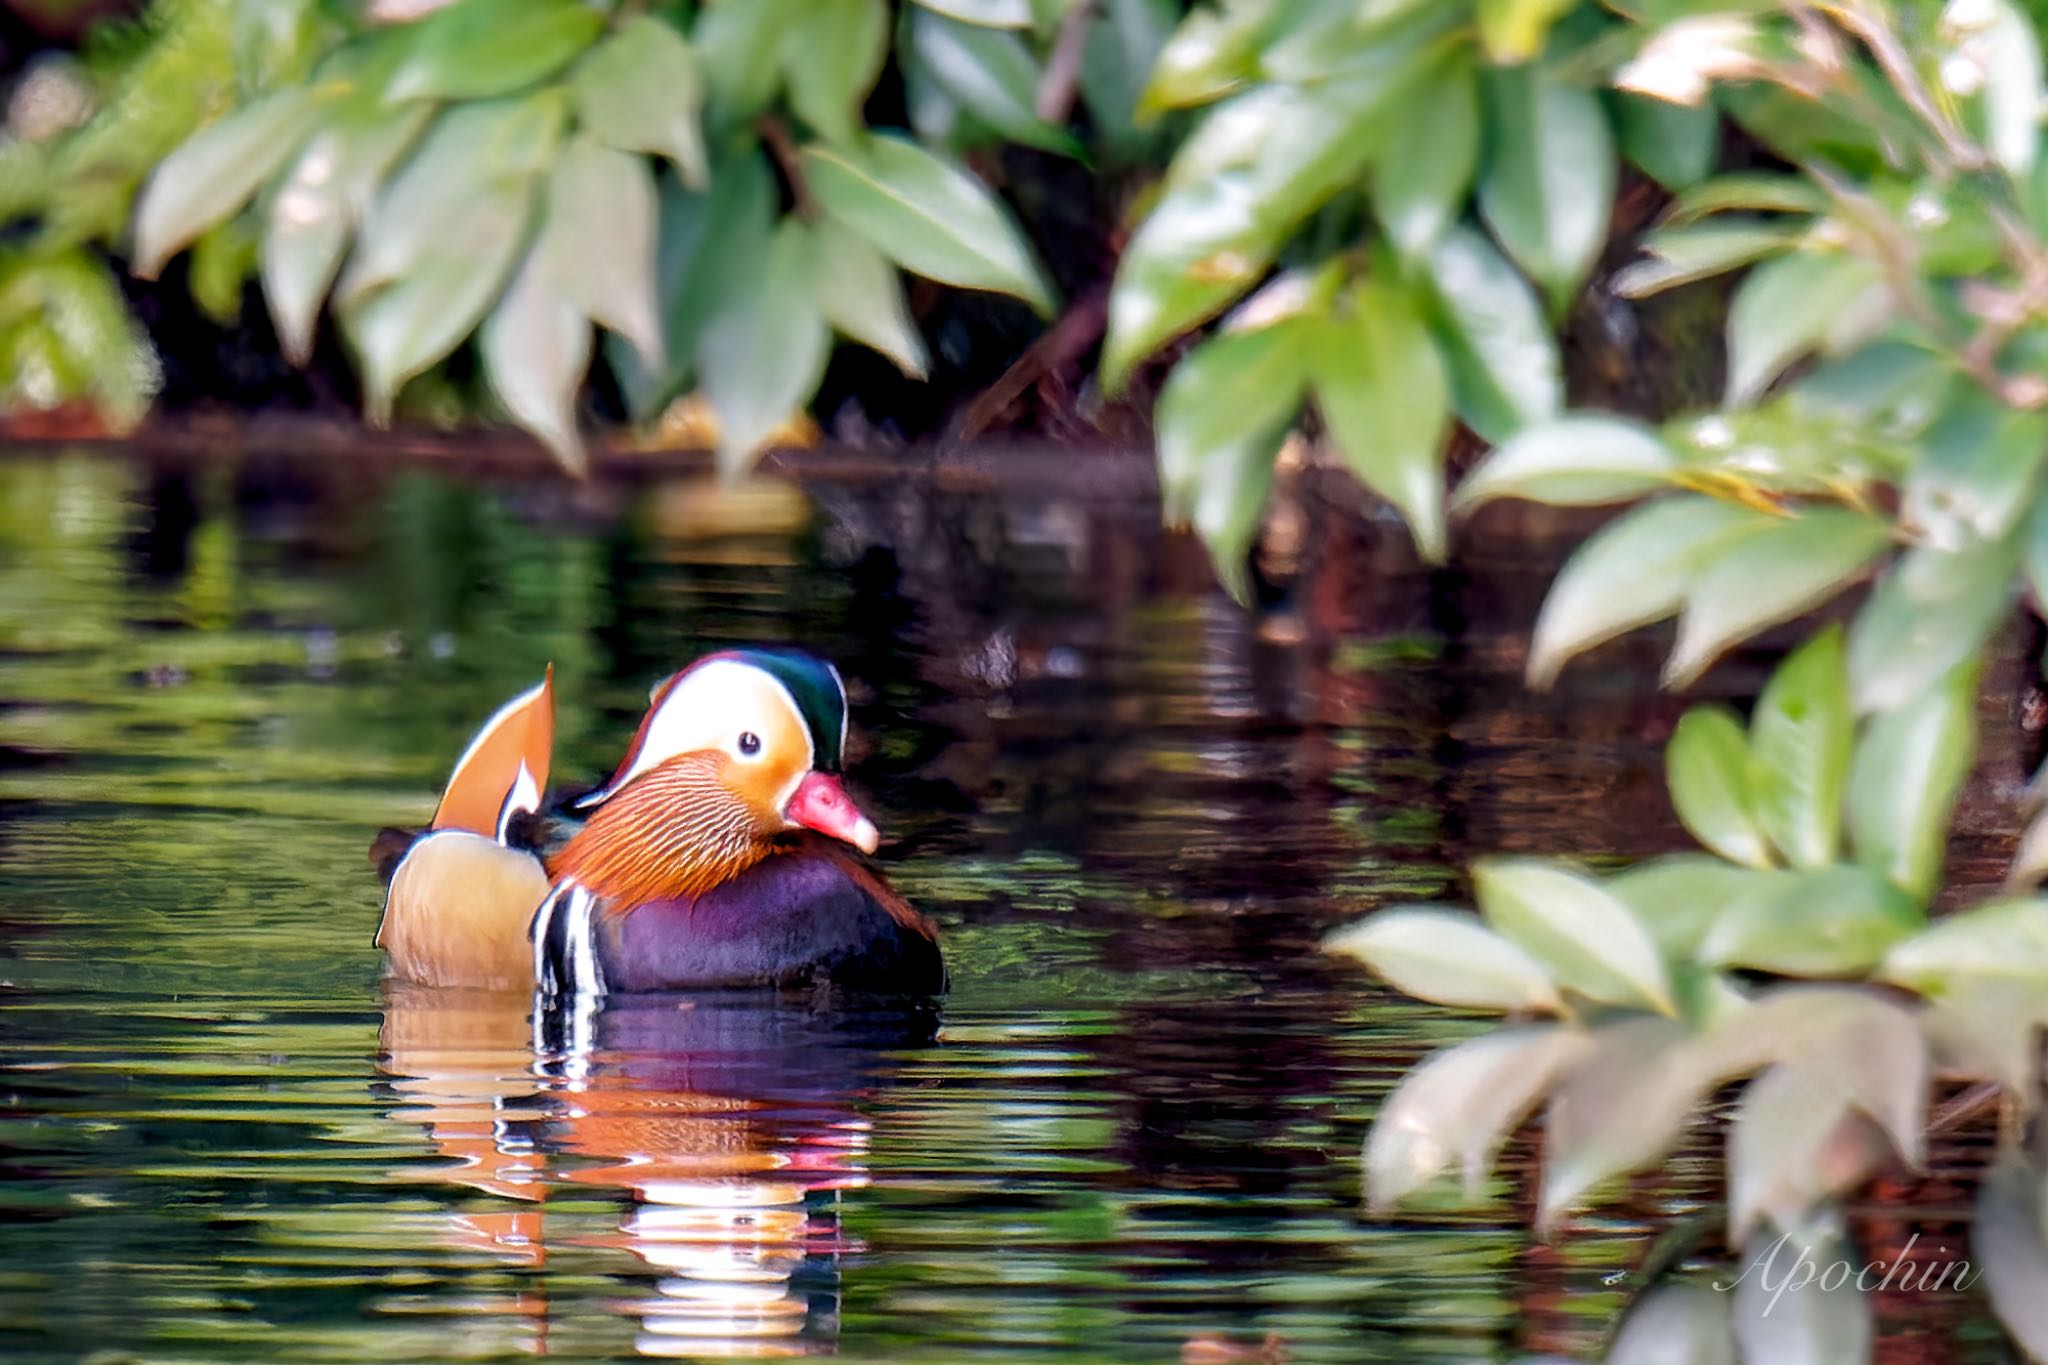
(740, 747)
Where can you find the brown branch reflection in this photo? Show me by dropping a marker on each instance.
(726, 1126)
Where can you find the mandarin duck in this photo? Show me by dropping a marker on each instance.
(721, 853)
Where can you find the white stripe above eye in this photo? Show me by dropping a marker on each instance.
(523, 799)
(709, 705)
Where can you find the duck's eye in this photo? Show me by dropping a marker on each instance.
(750, 743)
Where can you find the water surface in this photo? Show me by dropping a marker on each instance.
(1133, 809)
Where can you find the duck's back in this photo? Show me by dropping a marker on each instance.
(809, 915)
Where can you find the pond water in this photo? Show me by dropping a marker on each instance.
(1133, 809)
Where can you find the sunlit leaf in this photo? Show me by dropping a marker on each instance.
(1634, 570)
(474, 49)
(763, 348)
(2007, 1249)
(216, 171)
(601, 226)
(1221, 417)
(989, 73)
(1753, 191)
(1836, 922)
(1768, 577)
(1574, 461)
(1446, 956)
(318, 206)
(931, 218)
(1514, 30)
(1547, 184)
(1505, 370)
(536, 350)
(1800, 739)
(1678, 898)
(1681, 255)
(1788, 1316)
(640, 91)
(861, 295)
(1212, 53)
(1707, 766)
(1675, 144)
(1676, 1324)
(1422, 177)
(1622, 1106)
(2006, 940)
(1381, 387)
(2012, 87)
(832, 58)
(1783, 310)
(474, 161)
(1910, 765)
(1582, 933)
(993, 13)
(1459, 1106)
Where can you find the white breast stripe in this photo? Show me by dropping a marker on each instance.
(523, 799)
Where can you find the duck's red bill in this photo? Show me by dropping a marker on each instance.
(821, 803)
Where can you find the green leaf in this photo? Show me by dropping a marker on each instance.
(1795, 1142)
(1909, 766)
(1448, 957)
(738, 48)
(1980, 463)
(1422, 176)
(1575, 461)
(1767, 577)
(1505, 370)
(763, 348)
(1756, 191)
(2002, 941)
(1836, 922)
(1800, 1320)
(1676, 1324)
(1547, 186)
(1382, 389)
(2012, 88)
(1634, 570)
(831, 59)
(1933, 611)
(1462, 1103)
(601, 226)
(2007, 1241)
(989, 73)
(536, 350)
(214, 172)
(1514, 30)
(860, 294)
(931, 218)
(462, 174)
(992, 13)
(1622, 1106)
(474, 49)
(1254, 169)
(318, 206)
(1684, 254)
(1121, 51)
(1581, 932)
(1707, 764)
(1678, 898)
(1783, 310)
(1221, 418)
(1674, 144)
(639, 91)
(1800, 737)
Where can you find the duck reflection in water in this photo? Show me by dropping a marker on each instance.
(672, 987)
(730, 1121)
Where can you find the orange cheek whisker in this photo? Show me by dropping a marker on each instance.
(674, 832)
